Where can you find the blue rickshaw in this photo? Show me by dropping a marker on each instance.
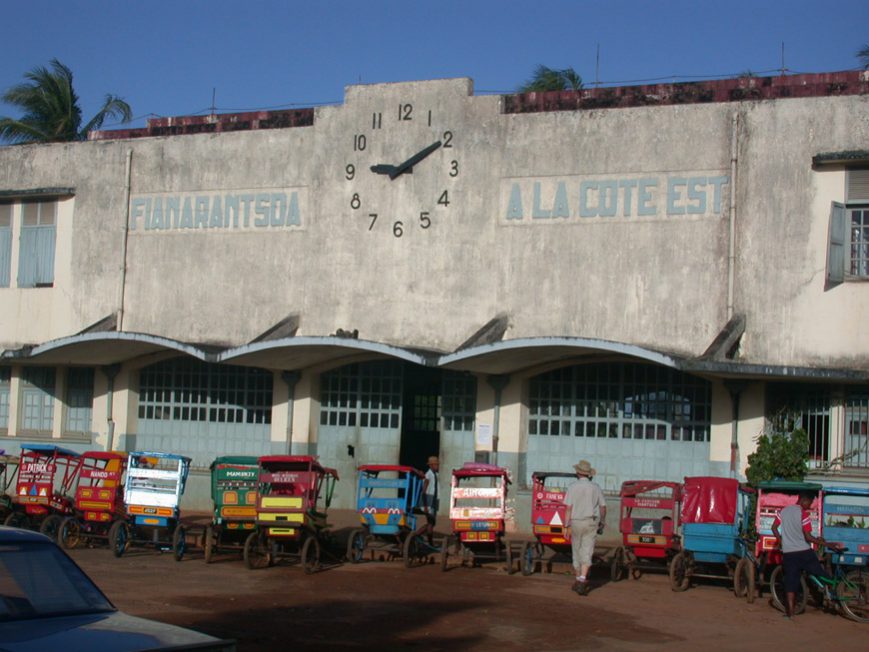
(715, 517)
(846, 522)
(388, 504)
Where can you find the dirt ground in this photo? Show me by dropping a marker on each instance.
(383, 605)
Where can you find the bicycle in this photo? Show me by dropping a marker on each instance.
(846, 591)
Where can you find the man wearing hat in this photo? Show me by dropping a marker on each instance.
(586, 512)
(430, 499)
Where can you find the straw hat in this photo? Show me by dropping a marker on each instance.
(584, 468)
(433, 460)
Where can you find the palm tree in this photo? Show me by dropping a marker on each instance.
(549, 79)
(50, 108)
(863, 55)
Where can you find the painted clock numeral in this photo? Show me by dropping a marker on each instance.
(454, 168)
(359, 143)
(447, 139)
(405, 111)
(424, 220)
(373, 217)
(444, 199)
(355, 202)
(350, 172)
(376, 120)
(397, 229)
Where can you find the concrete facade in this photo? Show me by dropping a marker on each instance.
(629, 235)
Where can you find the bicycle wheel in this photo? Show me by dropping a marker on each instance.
(777, 588)
(853, 594)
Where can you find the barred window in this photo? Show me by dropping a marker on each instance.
(183, 389)
(5, 378)
(366, 394)
(856, 452)
(792, 406)
(459, 393)
(36, 249)
(79, 399)
(37, 399)
(628, 401)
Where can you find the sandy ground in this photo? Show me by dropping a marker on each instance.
(383, 605)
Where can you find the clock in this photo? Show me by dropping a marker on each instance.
(401, 170)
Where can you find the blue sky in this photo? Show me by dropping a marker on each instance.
(169, 57)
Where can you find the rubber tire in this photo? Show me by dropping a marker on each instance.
(508, 557)
(17, 519)
(617, 566)
(210, 543)
(311, 555)
(69, 533)
(527, 559)
(855, 604)
(776, 589)
(680, 579)
(411, 550)
(356, 546)
(257, 551)
(445, 554)
(179, 542)
(50, 526)
(745, 580)
(119, 538)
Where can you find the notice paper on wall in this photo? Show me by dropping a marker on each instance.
(484, 437)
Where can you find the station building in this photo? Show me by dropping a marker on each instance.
(643, 277)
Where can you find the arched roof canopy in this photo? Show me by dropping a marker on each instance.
(304, 352)
(101, 348)
(512, 356)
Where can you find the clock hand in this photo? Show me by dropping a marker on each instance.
(413, 160)
(383, 168)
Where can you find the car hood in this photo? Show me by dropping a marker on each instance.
(114, 631)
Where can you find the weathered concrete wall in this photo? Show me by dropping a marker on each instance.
(657, 280)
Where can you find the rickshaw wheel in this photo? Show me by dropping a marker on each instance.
(257, 551)
(617, 566)
(69, 533)
(411, 551)
(680, 578)
(445, 553)
(311, 555)
(119, 538)
(356, 546)
(527, 559)
(508, 557)
(209, 544)
(179, 542)
(777, 589)
(744, 580)
(51, 526)
(853, 594)
(16, 519)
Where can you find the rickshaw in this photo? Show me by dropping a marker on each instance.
(46, 475)
(478, 496)
(99, 499)
(547, 522)
(772, 497)
(8, 473)
(846, 523)
(288, 520)
(152, 494)
(648, 522)
(715, 518)
(233, 491)
(387, 501)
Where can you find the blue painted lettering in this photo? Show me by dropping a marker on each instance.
(674, 196)
(216, 212)
(157, 214)
(187, 214)
(246, 201)
(561, 207)
(138, 207)
(230, 205)
(645, 205)
(608, 200)
(717, 182)
(294, 218)
(201, 212)
(627, 201)
(278, 210)
(261, 208)
(584, 210)
(173, 212)
(514, 205)
(536, 211)
(696, 195)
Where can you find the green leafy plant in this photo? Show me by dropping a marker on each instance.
(781, 454)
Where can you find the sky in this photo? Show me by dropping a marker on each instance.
(183, 57)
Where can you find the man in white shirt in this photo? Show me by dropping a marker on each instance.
(585, 514)
(430, 500)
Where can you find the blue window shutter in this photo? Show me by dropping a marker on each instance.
(36, 256)
(5, 256)
(837, 244)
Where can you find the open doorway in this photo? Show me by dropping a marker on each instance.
(421, 416)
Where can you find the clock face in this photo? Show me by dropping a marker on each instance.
(401, 170)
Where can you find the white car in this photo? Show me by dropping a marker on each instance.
(48, 603)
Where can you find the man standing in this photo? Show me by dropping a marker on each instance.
(585, 515)
(430, 499)
(793, 529)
